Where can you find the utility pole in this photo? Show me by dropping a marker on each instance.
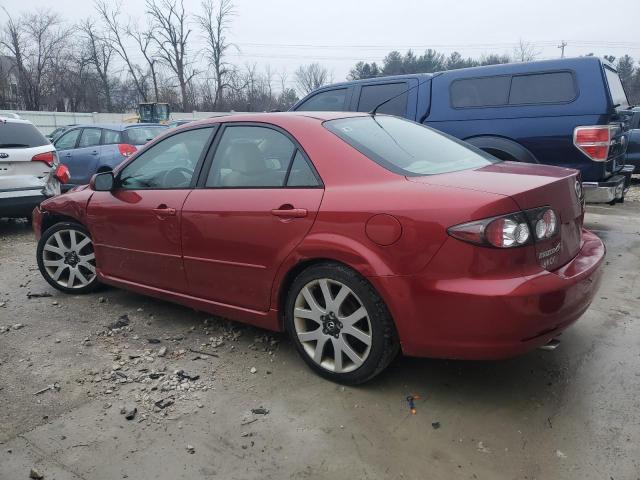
(561, 47)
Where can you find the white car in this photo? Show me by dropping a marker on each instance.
(29, 168)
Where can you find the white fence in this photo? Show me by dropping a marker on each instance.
(49, 121)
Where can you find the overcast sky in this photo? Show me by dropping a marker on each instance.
(337, 33)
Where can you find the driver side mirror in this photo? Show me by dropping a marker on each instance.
(102, 182)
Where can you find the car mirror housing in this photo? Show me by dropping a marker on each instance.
(102, 182)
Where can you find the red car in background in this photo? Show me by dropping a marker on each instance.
(361, 235)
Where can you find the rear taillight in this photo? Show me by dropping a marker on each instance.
(594, 141)
(509, 231)
(62, 173)
(47, 157)
(127, 150)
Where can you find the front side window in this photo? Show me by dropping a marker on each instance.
(67, 140)
(373, 95)
(90, 137)
(169, 164)
(251, 157)
(480, 92)
(329, 101)
(407, 148)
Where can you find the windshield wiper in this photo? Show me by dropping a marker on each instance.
(13, 145)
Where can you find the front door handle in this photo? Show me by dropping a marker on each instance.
(95, 152)
(287, 211)
(164, 211)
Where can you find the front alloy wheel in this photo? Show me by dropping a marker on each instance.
(339, 324)
(66, 258)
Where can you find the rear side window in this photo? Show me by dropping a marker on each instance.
(329, 101)
(407, 148)
(20, 135)
(556, 87)
(142, 135)
(90, 137)
(373, 95)
(109, 137)
(480, 92)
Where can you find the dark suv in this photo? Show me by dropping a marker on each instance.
(567, 112)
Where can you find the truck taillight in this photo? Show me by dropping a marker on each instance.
(127, 150)
(593, 141)
(62, 173)
(47, 157)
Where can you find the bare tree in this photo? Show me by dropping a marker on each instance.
(33, 41)
(98, 53)
(115, 37)
(525, 52)
(312, 76)
(171, 35)
(144, 39)
(215, 22)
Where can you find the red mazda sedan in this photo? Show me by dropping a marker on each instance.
(360, 235)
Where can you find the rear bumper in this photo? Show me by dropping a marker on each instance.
(610, 190)
(489, 318)
(20, 202)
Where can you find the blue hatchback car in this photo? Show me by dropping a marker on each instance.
(89, 149)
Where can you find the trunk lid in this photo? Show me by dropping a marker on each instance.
(530, 186)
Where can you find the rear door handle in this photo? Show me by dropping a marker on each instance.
(164, 211)
(284, 212)
(95, 152)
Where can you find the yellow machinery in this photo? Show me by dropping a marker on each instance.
(151, 112)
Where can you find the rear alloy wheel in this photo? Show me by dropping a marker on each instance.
(340, 325)
(66, 258)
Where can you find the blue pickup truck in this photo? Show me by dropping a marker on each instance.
(566, 112)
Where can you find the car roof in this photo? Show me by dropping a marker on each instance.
(117, 126)
(273, 117)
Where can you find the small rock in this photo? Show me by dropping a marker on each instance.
(162, 352)
(101, 300)
(435, 425)
(482, 448)
(35, 474)
(259, 411)
(2, 304)
(253, 370)
(57, 340)
(129, 414)
(17, 326)
(559, 454)
(154, 340)
(122, 321)
(54, 303)
(191, 449)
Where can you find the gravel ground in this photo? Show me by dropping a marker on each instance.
(117, 385)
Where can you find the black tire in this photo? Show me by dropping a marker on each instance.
(40, 255)
(384, 338)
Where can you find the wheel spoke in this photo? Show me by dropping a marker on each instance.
(357, 333)
(58, 272)
(88, 266)
(317, 354)
(349, 320)
(311, 301)
(59, 242)
(82, 243)
(57, 250)
(346, 348)
(310, 336)
(72, 277)
(308, 314)
(326, 293)
(337, 354)
(342, 295)
(87, 258)
(54, 263)
(72, 239)
(81, 277)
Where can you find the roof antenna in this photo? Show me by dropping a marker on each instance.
(431, 77)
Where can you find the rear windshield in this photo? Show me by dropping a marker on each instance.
(618, 94)
(141, 135)
(406, 147)
(20, 135)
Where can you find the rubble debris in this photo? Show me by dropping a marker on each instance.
(154, 340)
(247, 422)
(122, 321)
(435, 425)
(260, 411)
(3, 304)
(54, 386)
(192, 350)
(164, 403)
(162, 352)
(35, 474)
(482, 448)
(253, 370)
(181, 374)
(130, 414)
(102, 300)
(38, 295)
(191, 449)
(560, 454)
(17, 326)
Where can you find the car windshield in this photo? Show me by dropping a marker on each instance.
(406, 147)
(20, 135)
(141, 135)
